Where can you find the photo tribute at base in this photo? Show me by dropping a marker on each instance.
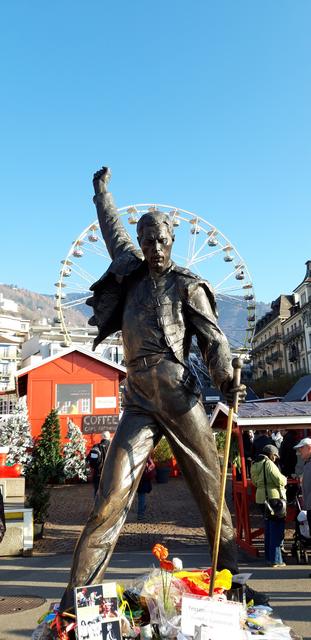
(97, 612)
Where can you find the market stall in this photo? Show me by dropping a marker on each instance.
(259, 416)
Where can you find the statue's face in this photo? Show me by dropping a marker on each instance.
(156, 244)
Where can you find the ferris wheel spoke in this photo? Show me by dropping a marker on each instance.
(82, 273)
(227, 290)
(196, 256)
(221, 295)
(225, 279)
(206, 256)
(77, 288)
(96, 250)
(74, 302)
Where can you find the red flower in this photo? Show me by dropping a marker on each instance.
(160, 552)
(167, 565)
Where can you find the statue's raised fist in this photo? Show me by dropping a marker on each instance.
(101, 179)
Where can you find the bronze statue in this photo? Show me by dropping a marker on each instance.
(159, 306)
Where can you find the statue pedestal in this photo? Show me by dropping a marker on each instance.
(18, 538)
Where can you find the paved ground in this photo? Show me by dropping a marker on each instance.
(173, 518)
(171, 515)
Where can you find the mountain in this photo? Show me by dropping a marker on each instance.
(35, 306)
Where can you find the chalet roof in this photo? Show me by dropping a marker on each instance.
(60, 354)
(300, 389)
(264, 414)
(5, 340)
(212, 394)
(279, 309)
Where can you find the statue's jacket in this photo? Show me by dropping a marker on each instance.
(186, 308)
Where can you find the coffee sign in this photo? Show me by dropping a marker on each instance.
(98, 424)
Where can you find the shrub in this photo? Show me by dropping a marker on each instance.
(162, 453)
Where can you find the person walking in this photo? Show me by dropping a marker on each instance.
(270, 483)
(144, 487)
(304, 449)
(2, 518)
(288, 458)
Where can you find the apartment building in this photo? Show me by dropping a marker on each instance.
(268, 349)
(297, 329)
(48, 340)
(282, 340)
(13, 331)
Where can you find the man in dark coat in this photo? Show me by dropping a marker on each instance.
(159, 307)
(261, 440)
(96, 458)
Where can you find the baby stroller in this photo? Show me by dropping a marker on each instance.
(301, 547)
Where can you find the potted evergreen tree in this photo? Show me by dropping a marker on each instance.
(38, 494)
(39, 497)
(46, 466)
(162, 456)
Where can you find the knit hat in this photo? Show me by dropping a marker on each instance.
(270, 449)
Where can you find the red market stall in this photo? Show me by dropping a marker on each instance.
(258, 416)
(81, 385)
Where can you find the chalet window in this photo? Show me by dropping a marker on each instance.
(74, 398)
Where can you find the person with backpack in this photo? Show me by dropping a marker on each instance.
(96, 458)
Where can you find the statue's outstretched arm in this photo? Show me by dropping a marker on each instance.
(114, 234)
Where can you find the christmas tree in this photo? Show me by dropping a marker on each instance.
(16, 434)
(74, 453)
(48, 448)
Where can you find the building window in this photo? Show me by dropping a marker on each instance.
(7, 406)
(73, 398)
(4, 369)
(303, 298)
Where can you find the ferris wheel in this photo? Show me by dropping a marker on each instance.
(199, 246)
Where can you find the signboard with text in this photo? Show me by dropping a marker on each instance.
(98, 424)
(220, 619)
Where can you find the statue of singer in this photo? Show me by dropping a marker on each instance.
(158, 306)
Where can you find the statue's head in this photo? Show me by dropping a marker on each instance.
(156, 236)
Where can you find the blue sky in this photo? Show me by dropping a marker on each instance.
(203, 105)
